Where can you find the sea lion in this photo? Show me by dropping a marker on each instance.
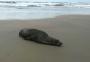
(38, 36)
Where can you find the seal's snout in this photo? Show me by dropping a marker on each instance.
(59, 44)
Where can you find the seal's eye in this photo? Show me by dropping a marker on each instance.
(56, 41)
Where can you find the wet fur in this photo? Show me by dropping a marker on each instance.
(38, 36)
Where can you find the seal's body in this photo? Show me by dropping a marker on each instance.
(39, 37)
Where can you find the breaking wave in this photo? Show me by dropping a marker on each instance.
(27, 4)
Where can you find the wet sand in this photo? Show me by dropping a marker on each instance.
(72, 30)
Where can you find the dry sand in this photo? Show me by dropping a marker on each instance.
(72, 30)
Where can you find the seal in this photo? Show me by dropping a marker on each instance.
(39, 36)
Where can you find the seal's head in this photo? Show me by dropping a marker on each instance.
(55, 42)
(58, 43)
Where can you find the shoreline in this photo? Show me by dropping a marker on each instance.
(53, 17)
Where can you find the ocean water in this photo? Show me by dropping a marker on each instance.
(28, 10)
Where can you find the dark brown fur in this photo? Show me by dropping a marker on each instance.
(39, 37)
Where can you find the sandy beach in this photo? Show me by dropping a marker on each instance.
(72, 30)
